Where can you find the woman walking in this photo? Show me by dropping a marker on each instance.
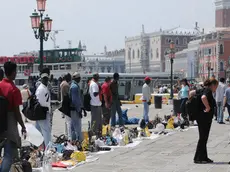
(204, 120)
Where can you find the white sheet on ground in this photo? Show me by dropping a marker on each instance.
(33, 135)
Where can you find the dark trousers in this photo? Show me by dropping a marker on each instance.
(204, 126)
(183, 108)
(106, 115)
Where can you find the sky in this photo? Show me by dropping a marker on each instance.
(98, 22)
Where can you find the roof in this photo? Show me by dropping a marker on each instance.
(178, 31)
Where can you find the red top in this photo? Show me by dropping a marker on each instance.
(9, 90)
(106, 90)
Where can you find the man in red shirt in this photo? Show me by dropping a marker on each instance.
(13, 95)
(107, 101)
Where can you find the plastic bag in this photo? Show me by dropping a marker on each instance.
(78, 156)
(119, 137)
(147, 133)
(160, 127)
(105, 130)
(170, 124)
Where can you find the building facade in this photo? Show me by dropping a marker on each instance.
(107, 62)
(222, 13)
(147, 52)
(186, 61)
(214, 55)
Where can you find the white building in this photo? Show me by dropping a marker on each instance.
(146, 52)
(186, 61)
(107, 62)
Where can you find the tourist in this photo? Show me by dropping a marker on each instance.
(146, 98)
(76, 108)
(9, 90)
(106, 101)
(184, 94)
(95, 102)
(65, 98)
(116, 103)
(50, 88)
(226, 102)
(219, 100)
(43, 96)
(204, 120)
(25, 92)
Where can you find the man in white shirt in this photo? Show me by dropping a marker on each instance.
(219, 96)
(25, 92)
(146, 98)
(95, 102)
(43, 96)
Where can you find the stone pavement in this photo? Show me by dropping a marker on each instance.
(173, 153)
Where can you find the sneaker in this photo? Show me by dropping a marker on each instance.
(221, 123)
(227, 119)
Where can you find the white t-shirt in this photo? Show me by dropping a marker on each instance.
(94, 88)
(43, 96)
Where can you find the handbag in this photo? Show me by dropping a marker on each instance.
(34, 111)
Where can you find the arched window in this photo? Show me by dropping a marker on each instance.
(185, 41)
(138, 53)
(221, 66)
(133, 54)
(221, 49)
(177, 41)
(157, 53)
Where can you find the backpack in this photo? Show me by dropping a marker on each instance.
(34, 111)
(193, 105)
(3, 114)
(87, 99)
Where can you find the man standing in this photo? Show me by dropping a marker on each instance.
(227, 102)
(116, 104)
(95, 102)
(50, 88)
(65, 98)
(146, 98)
(43, 96)
(25, 92)
(219, 100)
(106, 101)
(76, 107)
(9, 90)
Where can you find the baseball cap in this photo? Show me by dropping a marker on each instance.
(76, 75)
(148, 78)
(43, 75)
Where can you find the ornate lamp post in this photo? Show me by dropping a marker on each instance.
(41, 26)
(172, 56)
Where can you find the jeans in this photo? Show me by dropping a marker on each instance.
(44, 127)
(10, 153)
(220, 113)
(68, 130)
(228, 107)
(76, 126)
(116, 107)
(146, 112)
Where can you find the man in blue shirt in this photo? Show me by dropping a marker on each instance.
(76, 107)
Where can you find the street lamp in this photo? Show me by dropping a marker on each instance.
(172, 56)
(41, 26)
